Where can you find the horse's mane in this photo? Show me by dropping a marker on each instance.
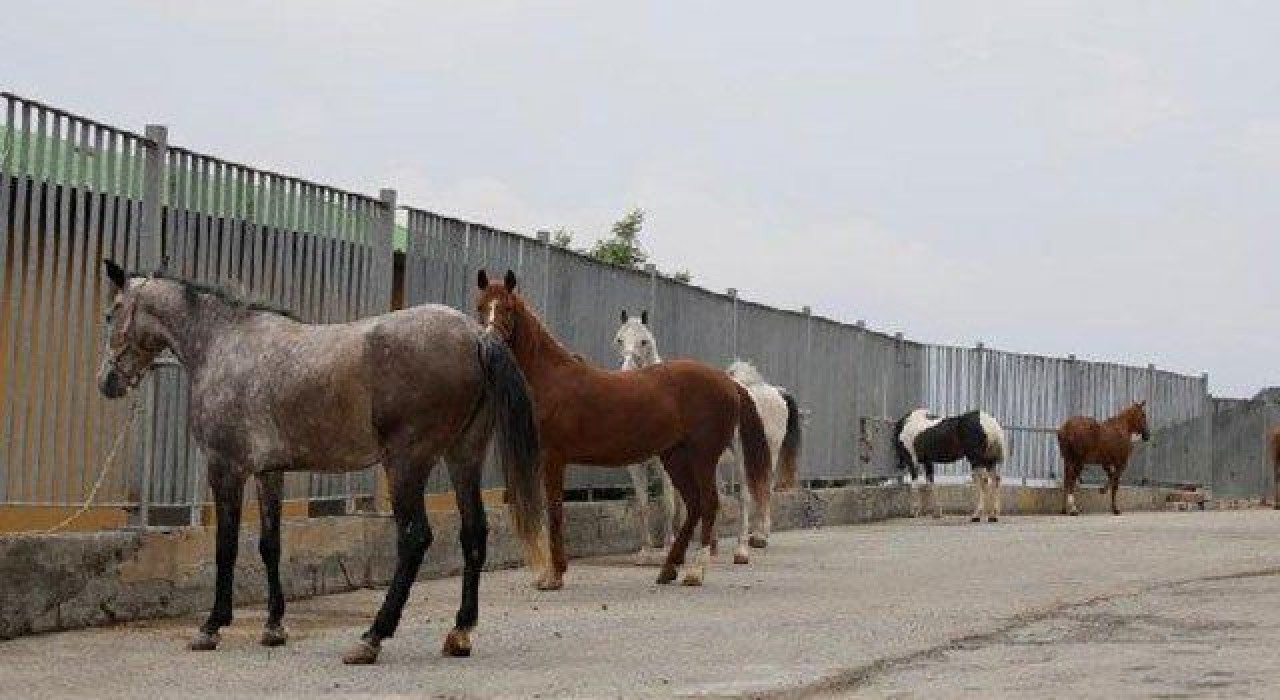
(191, 290)
(746, 373)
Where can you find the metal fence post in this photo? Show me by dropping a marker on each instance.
(979, 375)
(1206, 430)
(652, 271)
(733, 343)
(150, 255)
(544, 237)
(1150, 448)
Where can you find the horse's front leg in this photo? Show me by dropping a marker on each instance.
(413, 537)
(270, 486)
(553, 481)
(979, 481)
(931, 498)
(228, 493)
(640, 484)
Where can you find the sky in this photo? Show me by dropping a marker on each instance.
(1097, 178)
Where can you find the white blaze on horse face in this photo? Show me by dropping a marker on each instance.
(491, 316)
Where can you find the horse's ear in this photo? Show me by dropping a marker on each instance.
(1142, 403)
(624, 316)
(115, 273)
(509, 281)
(482, 279)
(644, 317)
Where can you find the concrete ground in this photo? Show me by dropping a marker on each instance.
(1141, 605)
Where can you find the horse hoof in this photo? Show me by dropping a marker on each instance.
(204, 641)
(715, 549)
(1074, 513)
(457, 643)
(667, 575)
(975, 519)
(693, 577)
(758, 541)
(363, 653)
(1115, 512)
(937, 516)
(274, 636)
(549, 582)
(993, 519)
(741, 555)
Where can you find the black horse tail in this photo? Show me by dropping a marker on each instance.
(755, 447)
(516, 446)
(789, 453)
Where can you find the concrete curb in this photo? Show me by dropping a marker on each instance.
(67, 581)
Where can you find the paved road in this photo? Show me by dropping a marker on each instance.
(1180, 604)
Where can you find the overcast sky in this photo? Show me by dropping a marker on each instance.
(1098, 178)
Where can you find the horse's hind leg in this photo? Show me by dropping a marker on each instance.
(708, 506)
(742, 552)
(228, 494)
(993, 499)
(979, 487)
(1113, 483)
(464, 473)
(413, 537)
(269, 491)
(677, 465)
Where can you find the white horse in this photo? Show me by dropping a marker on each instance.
(781, 418)
(637, 347)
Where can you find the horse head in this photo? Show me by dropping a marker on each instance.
(1137, 418)
(635, 342)
(134, 336)
(498, 307)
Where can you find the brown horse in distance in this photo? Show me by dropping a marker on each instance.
(1273, 448)
(684, 412)
(1083, 440)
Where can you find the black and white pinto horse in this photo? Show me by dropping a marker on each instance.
(922, 440)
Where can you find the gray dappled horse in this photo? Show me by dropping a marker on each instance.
(270, 394)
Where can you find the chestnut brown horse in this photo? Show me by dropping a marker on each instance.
(684, 412)
(1273, 448)
(1083, 440)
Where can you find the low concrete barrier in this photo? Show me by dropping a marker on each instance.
(65, 581)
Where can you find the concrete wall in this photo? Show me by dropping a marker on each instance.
(52, 582)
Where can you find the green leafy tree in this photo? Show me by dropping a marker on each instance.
(622, 247)
(562, 238)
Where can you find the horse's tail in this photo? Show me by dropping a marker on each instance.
(755, 447)
(516, 446)
(997, 444)
(789, 453)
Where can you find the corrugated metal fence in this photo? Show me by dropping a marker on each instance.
(73, 191)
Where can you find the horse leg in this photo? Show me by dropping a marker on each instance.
(993, 500)
(1070, 475)
(742, 553)
(709, 504)
(553, 478)
(640, 483)
(269, 488)
(413, 537)
(931, 498)
(1113, 481)
(676, 463)
(979, 488)
(672, 507)
(473, 534)
(228, 495)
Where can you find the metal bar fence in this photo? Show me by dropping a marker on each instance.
(73, 191)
